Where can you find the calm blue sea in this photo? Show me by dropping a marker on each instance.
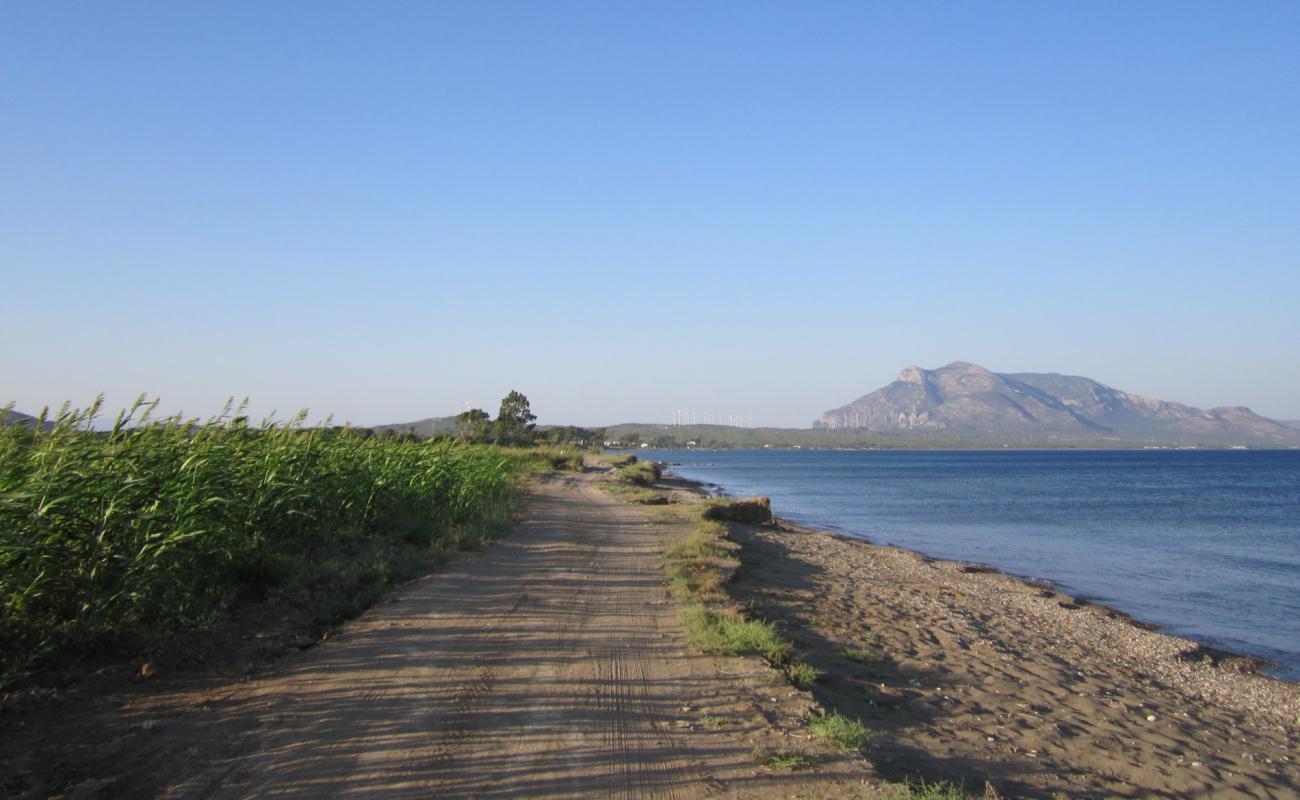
(1205, 544)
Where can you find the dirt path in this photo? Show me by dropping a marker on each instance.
(551, 665)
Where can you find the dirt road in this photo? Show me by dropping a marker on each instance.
(551, 665)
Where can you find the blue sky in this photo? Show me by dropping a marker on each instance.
(386, 210)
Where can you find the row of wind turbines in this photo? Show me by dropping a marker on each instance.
(688, 416)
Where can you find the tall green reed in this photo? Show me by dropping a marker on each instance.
(113, 537)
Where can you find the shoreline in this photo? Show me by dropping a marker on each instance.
(974, 674)
(1246, 663)
(1238, 660)
(1221, 658)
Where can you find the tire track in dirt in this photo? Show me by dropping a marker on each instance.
(551, 665)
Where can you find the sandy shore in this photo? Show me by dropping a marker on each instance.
(977, 676)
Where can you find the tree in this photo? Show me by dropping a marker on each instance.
(571, 434)
(474, 425)
(514, 423)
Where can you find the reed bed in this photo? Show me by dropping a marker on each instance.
(111, 538)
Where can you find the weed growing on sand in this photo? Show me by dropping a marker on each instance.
(664, 516)
(714, 721)
(695, 565)
(725, 635)
(785, 759)
(802, 674)
(639, 473)
(859, 654)
(924, 790)
(628, 492)
(843, 732)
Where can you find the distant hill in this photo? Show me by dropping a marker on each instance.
(19, 418)
(964, 400)
(433, 426)
(1291, 423)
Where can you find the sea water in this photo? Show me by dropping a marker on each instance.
(1204, 544)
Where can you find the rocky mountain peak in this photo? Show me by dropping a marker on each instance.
(965, 400)
(912, 374)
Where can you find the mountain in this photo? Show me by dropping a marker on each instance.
(18, 418)
(1291, 423)
(965, 401)
(432, 426)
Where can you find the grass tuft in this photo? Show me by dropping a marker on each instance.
(843, 732)
(785, 759)
(925, 790)
(638, 473)
(802, 674)
(860, 654)
(695, 566)
(725, 635)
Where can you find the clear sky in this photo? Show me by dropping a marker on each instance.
(385, 210)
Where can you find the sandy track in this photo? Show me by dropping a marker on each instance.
(552, 665)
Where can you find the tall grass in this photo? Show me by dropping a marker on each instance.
(123, 534)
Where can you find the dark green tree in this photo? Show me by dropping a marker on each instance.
(474, 425)
(514, 425)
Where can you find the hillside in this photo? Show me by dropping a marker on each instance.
(18, 418)
(963, 400)
(431, 426)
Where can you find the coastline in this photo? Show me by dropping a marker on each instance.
(1236, 661)
(1242, 655)
(979, 673)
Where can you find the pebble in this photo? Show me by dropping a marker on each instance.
(1151, 717)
